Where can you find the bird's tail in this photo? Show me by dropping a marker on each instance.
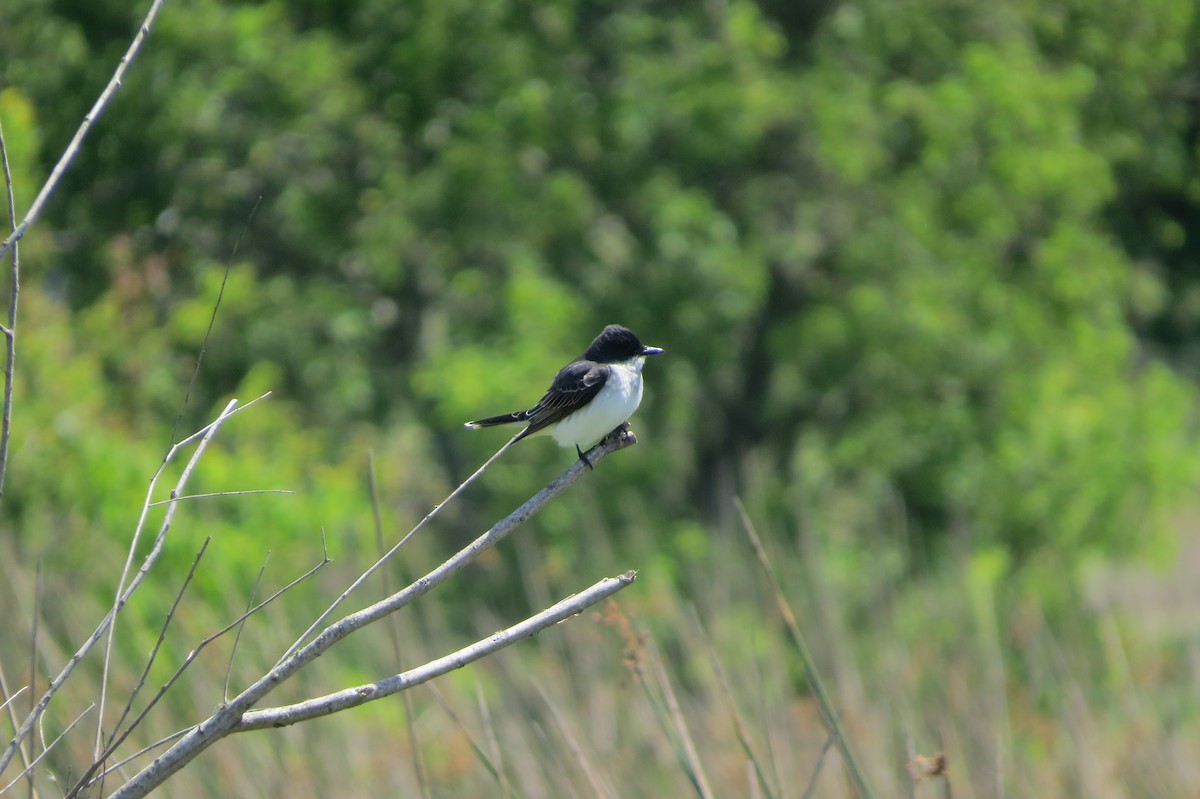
(507, 418)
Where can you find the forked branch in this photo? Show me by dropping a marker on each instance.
(235, 716)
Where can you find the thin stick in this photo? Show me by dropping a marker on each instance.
(212, 320)
(46, 750)
(108, 646)
(162, 636)
(162, 691)
(33, 659)
(57, 683)
(160, 742)
(242, 625)
(222, 494)
(828, 715)
(5, 704)
(69, 154)
(10, 331)
(386, 556)
(10, 708)
(353, 697)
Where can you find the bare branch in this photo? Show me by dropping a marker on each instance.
(162, 691)
(212, 321)
(33, 660)
(359, 695)
(242, 624)
(46, 749)
(227, 717)
(222, 494)
(10, 331)
(160, 742)
(27, 725)
(162, 636)
(166, 525)
(5, 704)
(203, 431)
(72, 150)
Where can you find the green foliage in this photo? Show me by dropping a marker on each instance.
(890, 255)
(922, 269)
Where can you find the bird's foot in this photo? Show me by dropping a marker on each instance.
(619, 433)
(583, 457)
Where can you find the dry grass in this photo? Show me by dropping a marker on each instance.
(944, 680)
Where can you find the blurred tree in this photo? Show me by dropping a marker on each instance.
(890, 247)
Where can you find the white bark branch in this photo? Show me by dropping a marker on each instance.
(30, 721)
(226, 719)
(69, 154)
(359, 695)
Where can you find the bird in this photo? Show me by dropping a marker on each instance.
(590, 397)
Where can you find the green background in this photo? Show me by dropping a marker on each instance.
(925, 273)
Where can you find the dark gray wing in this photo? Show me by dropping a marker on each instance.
(575, 385)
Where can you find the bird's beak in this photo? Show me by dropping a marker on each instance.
(652, 351)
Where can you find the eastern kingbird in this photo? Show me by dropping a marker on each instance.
(590, 397)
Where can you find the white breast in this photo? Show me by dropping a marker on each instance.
(616, 402)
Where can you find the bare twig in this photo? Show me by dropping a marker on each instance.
(160, 742)
(832, 721)
(56, 684)
(72, 150)
(162, 636)
(10, 331)
(242, 625)
(117, 602)
(359, 695)
(229, 716)
(5, 704)
(222, 494)
(162, 691)
(212, 321)
(33, 660)
(46, 749)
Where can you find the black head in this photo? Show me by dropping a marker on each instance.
(616, 344)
